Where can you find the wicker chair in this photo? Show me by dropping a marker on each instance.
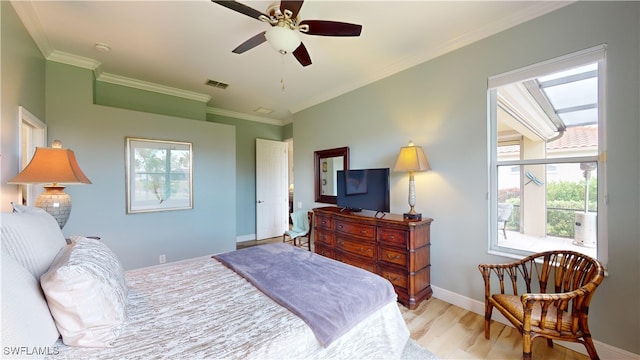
(557, 312)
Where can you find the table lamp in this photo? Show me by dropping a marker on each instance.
(54, 166)
(411, 158)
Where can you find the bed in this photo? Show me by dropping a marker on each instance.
(197, 308)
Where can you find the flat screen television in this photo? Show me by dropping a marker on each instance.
(364, 189)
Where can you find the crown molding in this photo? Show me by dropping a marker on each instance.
(30, 20)
(148, 86)
(493, 28)
(91, 64)
(243, 116)
(74, 60)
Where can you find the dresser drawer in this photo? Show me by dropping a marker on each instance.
(356, 248)
(360, 230)
(325, 237)
(393, 236)
(324, 222)
(397, 278)
(369, 266)
(324, 251)
(393, 256)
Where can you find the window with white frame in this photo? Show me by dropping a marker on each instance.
(547, 156)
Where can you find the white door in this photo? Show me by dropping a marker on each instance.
(272, 202)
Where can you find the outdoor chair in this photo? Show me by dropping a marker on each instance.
(301, 228)
(504, 213)
(550, 296)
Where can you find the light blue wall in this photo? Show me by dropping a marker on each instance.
(442, 105)
(23, 68)
(246, 134)
(97, 135)
(125, 97)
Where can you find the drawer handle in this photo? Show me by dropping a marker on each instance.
(392, 279)
(391, 237)
(363, 231)
(340, 226)
(364, 250)
(396, 257)
(324, 222)
(341, 243)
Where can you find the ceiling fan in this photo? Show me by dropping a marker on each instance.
(286, 27)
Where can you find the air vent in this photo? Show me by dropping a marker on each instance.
(217, 84)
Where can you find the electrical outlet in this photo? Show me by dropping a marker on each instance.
(162, 259)
(299, 204)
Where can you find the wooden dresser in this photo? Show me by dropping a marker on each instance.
(394, 248)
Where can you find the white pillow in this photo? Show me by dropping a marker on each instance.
(87, 294)
(32, 237)
(26, 320)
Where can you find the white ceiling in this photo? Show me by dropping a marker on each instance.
(176, 46)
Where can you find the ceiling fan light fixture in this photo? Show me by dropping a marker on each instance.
(282, 39)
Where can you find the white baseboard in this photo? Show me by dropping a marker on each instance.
(605, 351)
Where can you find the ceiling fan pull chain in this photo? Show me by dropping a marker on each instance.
(282, 72)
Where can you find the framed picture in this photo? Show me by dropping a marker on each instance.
(158, 175)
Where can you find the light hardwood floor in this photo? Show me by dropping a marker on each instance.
(451, 332)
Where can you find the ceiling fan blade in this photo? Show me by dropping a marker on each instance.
(331, 28)
(241, 8)
(302, 55)
(293, 6)
(251, 43)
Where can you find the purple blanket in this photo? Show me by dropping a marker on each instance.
(331, 297)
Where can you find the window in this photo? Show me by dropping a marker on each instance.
(547, 147)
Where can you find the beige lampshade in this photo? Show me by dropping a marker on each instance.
(411, 158)
(51, 165)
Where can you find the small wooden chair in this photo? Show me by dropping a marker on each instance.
(302, 220)
(557, 312)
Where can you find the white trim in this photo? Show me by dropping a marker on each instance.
(593, 54)
(578, 58)
(243, 116)
(605, 351)
(74, 60)
(149, 86)
(38, 137)
(30, 20)
(559, 160)
(603, 196)
(498, 26)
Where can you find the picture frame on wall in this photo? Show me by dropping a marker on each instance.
(159, 175)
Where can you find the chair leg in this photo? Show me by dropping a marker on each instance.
(591, 349)
(526, 346)
(488, 309)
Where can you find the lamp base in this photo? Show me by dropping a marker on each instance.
(410, 216)
(56, 202)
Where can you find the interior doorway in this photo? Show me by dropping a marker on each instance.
(33, 133)
(271, 188)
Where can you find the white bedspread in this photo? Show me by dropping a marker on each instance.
(200, 309)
